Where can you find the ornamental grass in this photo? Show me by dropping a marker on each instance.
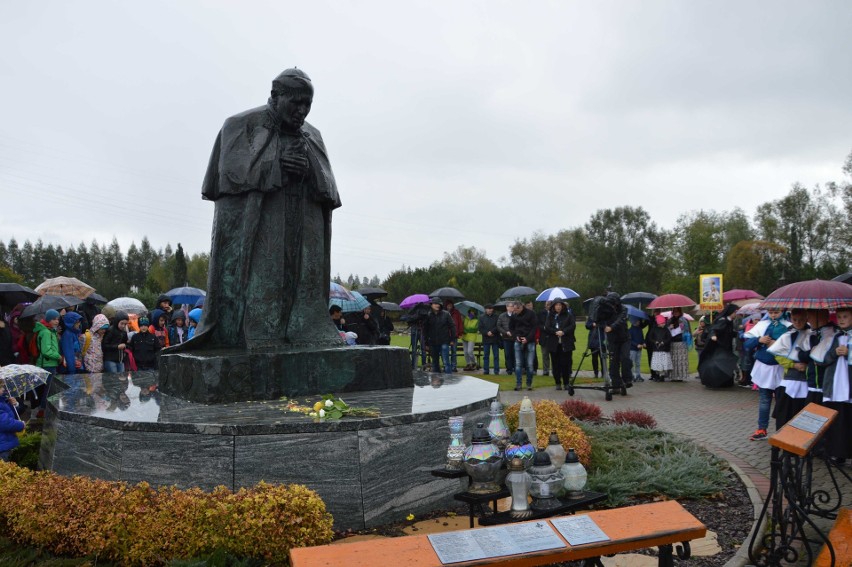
(139, 525)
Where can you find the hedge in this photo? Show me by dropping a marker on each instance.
(140, 525)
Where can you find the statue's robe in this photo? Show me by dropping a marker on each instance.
(269, 272)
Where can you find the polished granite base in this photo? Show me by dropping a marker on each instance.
(368, 471)
(222, 376)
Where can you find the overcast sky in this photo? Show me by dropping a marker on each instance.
(447, 122)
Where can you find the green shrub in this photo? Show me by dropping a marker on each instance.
(26, 454)
(138, 525)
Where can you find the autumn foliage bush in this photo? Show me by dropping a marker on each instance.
(638, 418)
(549, 417)
(139, 525)
(582, 410)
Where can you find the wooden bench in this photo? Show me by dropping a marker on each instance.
(477, 353)
(660, 524)
(841, 540)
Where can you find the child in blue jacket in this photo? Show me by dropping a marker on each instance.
(9, 425)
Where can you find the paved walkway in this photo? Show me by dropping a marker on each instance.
(721, 420)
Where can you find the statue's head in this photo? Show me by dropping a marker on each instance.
(291, 98)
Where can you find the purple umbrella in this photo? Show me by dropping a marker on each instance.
(413, 300)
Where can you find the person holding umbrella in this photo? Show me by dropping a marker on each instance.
(456, 315)
(10, 424)
(559, 327)
(439, 330)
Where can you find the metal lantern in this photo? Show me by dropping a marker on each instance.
(546, 483)
(482, 461)
(555, 450)
(497, 426)
(574, 475)
(518, 482)
(455, 450)
(519, 446)
(526, 420)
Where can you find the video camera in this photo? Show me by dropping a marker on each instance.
(416, 314)
(602, 310)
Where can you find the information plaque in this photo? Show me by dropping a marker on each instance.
(807, 421)
(579, 530)
(513, 539)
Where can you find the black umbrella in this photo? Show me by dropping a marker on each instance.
(13, 294)
(518, 291)
(717, 369)
(638, 298)
(96, 299)
(46, 302)
(845, 278)
(389, 306)
(447, 293)
(369, 292)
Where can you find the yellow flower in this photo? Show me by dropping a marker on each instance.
(317, 406)
(409, 517)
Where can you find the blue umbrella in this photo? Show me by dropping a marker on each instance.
(553, 293)
(463, 306)
(185, 295)
(350, 305)
(635, 312)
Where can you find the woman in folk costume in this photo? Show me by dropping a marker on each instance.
(767, 373)
(836, 390)
(679, 329)
(791, 352)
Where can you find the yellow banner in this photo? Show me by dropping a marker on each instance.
(710, 291)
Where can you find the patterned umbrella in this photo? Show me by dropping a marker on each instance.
(63, 285)
(670, 301)
(811, 294)
(337, 291)
(22, 378)
(553, 293)
(350, 305)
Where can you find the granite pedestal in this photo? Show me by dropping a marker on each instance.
(368, 471)
(220, 376)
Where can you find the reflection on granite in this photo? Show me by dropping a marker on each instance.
(367, 470)
(133, 403)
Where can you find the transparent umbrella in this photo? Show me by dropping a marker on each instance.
(125, 304)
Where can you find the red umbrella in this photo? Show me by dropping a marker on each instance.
(811, 294)
(669, 301)
(740, 294)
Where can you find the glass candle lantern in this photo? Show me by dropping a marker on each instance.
(455, 450)
(519, 446)
(518, 482)
(526, 420)
(482, 461)
(546, 483)
(497, 426)
(574, 475)
(555, 450)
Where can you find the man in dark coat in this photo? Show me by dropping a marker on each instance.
(439, 330)
(618, 343)
(490, 338)
(523, 326)
(271, 181)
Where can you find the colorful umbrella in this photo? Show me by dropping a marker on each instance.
(22, 378)
(463, 306)
(413, 300)
(811, 294)
(63, 285)
(337, 291)
(350, 305)
(185, 295)
(670, 301)
(740, 294)
(553, 293)
(518, 291)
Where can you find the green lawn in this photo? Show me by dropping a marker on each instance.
(508, 382)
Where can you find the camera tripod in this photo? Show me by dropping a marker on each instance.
(606, 387)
